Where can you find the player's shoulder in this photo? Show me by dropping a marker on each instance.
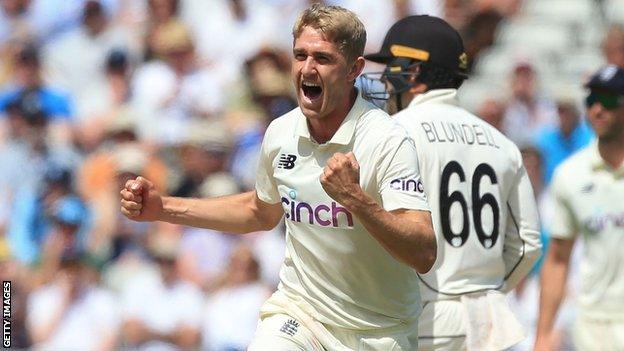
(505, 145)
(377, 122)
(280, 126)
(453, 117)
(575, 166)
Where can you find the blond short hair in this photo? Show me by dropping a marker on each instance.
(338, 25)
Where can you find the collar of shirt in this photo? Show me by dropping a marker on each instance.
(598, 163)
(345, 132)
(440, 96)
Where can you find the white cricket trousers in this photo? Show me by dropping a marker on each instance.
(475, 322)
(284, 326)
(594, 334)
(281, 332)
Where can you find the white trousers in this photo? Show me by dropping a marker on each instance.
(603, 335)
(285, 326)
(473, 322)
(282, 332)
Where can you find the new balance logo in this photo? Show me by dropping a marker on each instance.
(586, 189)
(290, 327)
(286, 161)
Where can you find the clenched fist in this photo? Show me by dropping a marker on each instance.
(140, 201)
(341, 177)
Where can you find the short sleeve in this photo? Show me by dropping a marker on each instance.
(266, 187)
(562, 223)
(400, 183)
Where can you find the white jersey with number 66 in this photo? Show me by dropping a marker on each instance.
(482, 202)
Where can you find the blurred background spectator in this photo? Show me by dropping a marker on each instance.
(527, 110)
(613, 45)
(27, 84)
(164, 312)
(75, 59)
(229, 316)
(559, 141)
(72, 312)
(93, 93)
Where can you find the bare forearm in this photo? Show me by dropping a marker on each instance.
(554, 274)
(186, 338)
(232, 214)
(409, 241)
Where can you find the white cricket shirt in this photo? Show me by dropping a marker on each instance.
(482, 203)
(588, 199)
(334, 269)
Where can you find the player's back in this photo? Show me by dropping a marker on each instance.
(469, 170)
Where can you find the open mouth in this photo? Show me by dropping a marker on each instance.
(311, 90)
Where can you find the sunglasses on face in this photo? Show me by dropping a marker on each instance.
(607, 100)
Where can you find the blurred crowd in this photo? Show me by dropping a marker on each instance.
(94, 93)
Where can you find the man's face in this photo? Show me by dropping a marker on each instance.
(322, 76)
(608, 124)
(523, 82)
(613, 49)
(492, 112)
(27, 73)
(568, 118)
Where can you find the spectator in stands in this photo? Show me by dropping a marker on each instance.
(524, 300)
(268, 79)
(160, 13)
(493, 112)
(204, 253)
(14, 20)
(613, 46)
(230, 31)
(170, 91)
(267, 94)
(205, 151)
(163, 313)
(38, 215)
(27, 84)
(528, 110)
(28, 150)
(101, 105)
(69, 224)
(480, 33)
(38, 20)
(103, 173)
(232, 312)
(533, 163)
(75, 59)
(248, 130)
(557, 142)
(72, 312)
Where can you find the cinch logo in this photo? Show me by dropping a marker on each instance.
(598, 223)
(407, 185)
(322, 215)
(286, 161)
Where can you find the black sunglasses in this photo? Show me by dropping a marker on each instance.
(608, 100)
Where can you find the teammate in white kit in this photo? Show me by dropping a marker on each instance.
(588, 198)
(482, 203)
(346, 178)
